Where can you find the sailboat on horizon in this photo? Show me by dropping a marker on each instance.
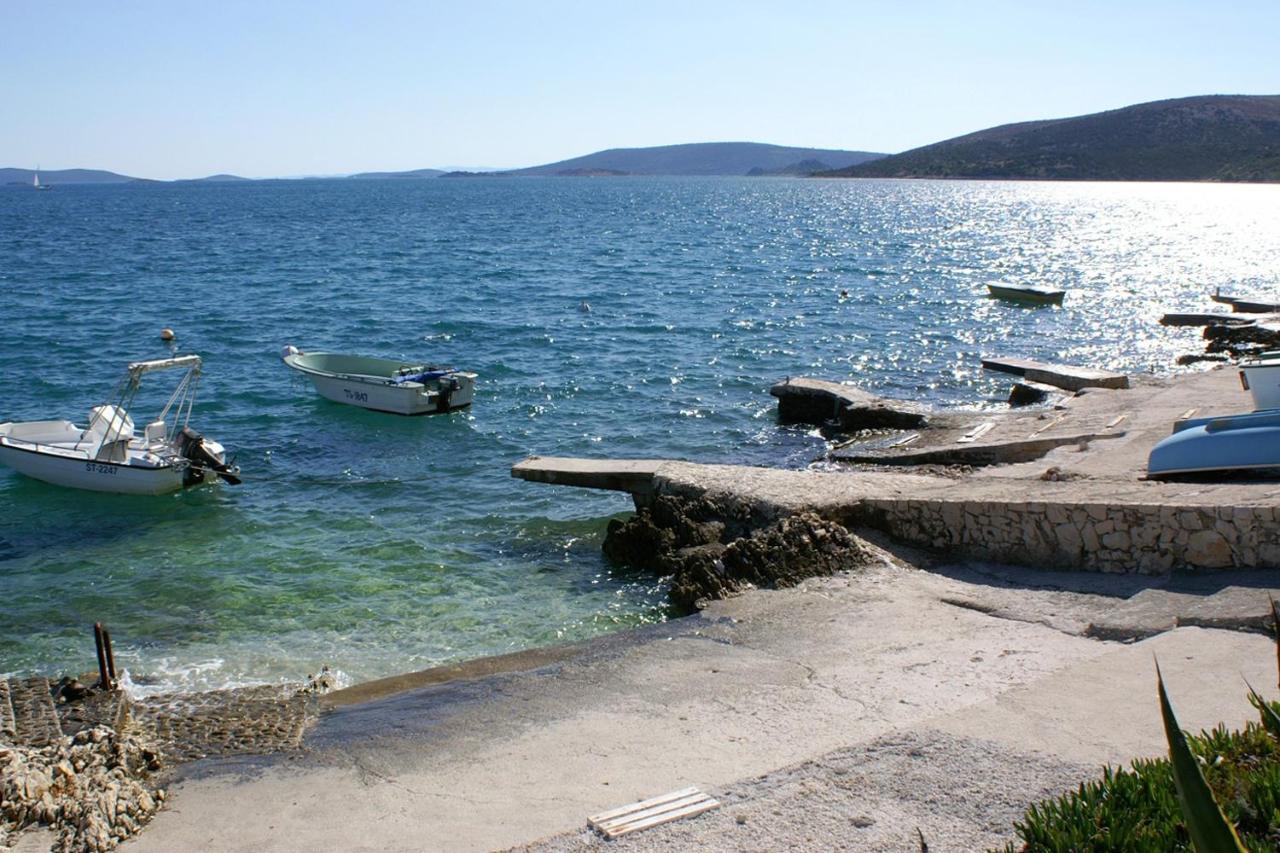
(35, 181)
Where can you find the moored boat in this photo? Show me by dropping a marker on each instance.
(108, 456)
(384, 384)
(1027, 293)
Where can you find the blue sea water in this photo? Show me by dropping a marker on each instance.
(381, 544)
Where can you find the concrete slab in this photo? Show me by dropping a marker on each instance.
(1058, 375)
(619, 475)
(817, 401)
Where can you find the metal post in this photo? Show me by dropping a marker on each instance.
(104, 675)
(111, 656)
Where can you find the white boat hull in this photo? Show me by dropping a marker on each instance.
(384, 398)
(384, 385)
(91, 474)
(1261, 378)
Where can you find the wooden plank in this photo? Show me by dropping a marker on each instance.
(643, 804)
(613, 823)
(976, 433)
(687, 811)
(1116, 420)
(1053, 423)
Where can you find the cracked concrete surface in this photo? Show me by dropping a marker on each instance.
(1006, 691)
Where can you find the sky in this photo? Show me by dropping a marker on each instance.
(181, 89)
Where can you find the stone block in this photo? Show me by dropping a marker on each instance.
(1209, 549)
(1117, 540)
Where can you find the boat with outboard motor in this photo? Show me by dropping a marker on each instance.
(107, 455)
(384, 384)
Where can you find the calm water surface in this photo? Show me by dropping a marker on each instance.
(382, 544)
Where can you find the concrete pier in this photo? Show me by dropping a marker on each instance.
(619, 475)
(1058, 375)
(1084, 504)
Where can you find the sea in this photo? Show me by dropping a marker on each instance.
(379, 544)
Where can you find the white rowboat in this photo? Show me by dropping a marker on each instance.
(384, 384)
(1027, 293)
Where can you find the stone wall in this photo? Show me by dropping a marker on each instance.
(1100, 537)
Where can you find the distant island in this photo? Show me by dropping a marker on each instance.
(415, 173)
(64, 176)
(1206, 138)
(698, 158)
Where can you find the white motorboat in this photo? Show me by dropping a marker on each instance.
(1260, 376)
(384, 384)
(108, 456)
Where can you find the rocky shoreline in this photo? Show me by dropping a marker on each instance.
(711, 549)
(88, 764)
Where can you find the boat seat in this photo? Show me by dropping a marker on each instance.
(155, 432)
(110, 422)
(113, 451)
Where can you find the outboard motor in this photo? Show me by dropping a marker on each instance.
(191, 446)
(448, 385)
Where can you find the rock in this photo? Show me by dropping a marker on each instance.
(1030, 393)
(780, 555)
(1196, 359)
(819, 402)
(710, 552)
(91, 789)
(1250, 338)
(319, 684)
(1209, 549)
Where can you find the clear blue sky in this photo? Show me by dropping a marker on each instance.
(289, 87)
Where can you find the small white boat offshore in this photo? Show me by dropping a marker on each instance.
(1260, 376)
(1026, 293)
(384, 384)
(108, 456)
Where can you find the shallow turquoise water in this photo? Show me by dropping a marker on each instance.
(382, 544)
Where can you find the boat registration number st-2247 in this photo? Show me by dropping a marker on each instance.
(98, 468)
(362, 396)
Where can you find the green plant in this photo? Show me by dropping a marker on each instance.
(1218, 791)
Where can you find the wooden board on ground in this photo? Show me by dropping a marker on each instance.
(686, 802)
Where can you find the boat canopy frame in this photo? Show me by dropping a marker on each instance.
(180, 402)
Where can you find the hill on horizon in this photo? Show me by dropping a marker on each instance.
(697, 158)
(64, 176)
(413, 173)
(1202, 138)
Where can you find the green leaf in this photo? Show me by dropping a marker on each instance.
(1275, 633)
(1210, 830)
(1270, 719)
